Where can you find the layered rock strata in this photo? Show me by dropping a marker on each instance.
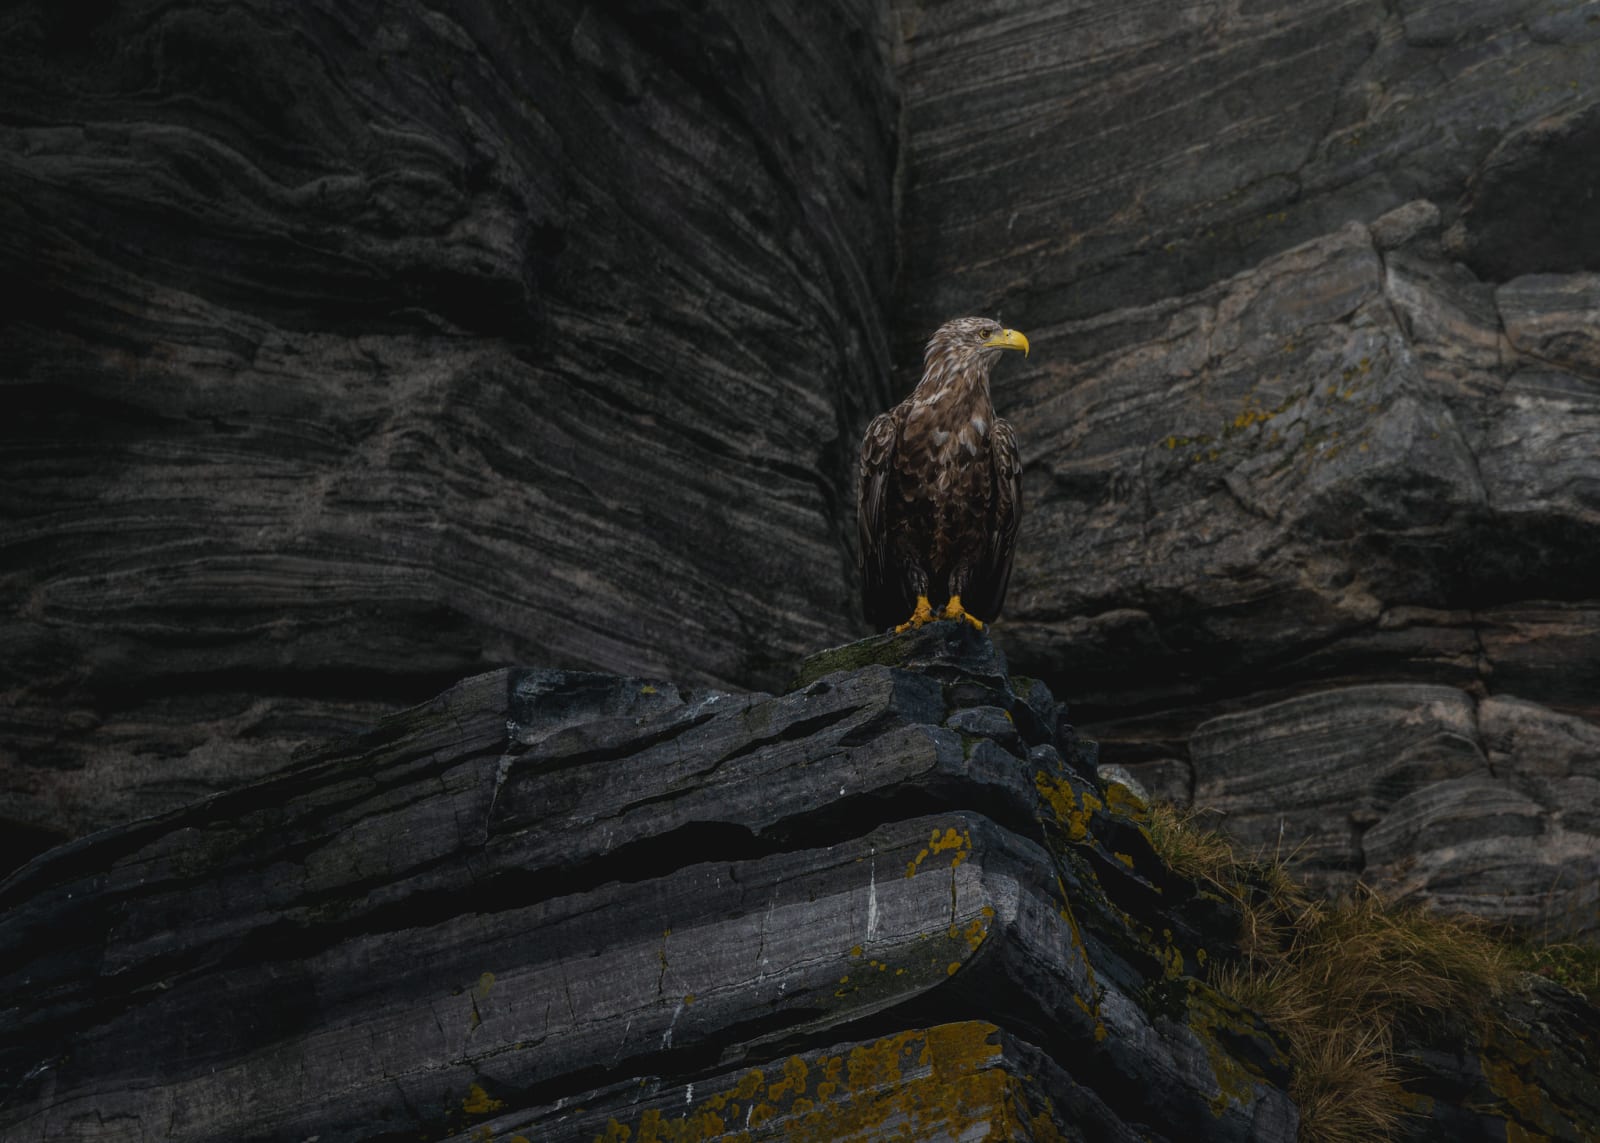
(352, 354)
(562, 905)
(556, 904)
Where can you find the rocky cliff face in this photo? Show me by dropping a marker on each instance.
(1314, 407)
(559, 905)
(359, 356)
(350, 358)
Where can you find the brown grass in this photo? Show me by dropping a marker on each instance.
(1337, 978)
(1191, 849)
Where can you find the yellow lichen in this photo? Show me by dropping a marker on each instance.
(960, 841)
(940, 1082)
(479, 1102)
(1071, 811)
(1507, 1062)
(1124, 802)
(795, 1073)
(1210, 1012)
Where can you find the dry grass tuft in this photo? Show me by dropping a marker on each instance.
(1190, 849)
(1338, 978)
(1347, 1088)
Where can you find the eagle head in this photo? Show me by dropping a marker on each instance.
(965, 342)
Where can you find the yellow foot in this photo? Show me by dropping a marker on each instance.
(923, 614)
(954, 610)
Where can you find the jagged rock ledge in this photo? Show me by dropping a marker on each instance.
(558, 905)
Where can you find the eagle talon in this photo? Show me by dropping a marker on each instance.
(954, 610)
(922, 614)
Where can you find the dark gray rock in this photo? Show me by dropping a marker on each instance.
(354, 354)
(567, 905)
(1485, 806)
(1550, 319)
(1536, 1068)
(1313, 400)
(943, 1082)
(560, 898)
(1336, 477)
(1065, 160)
(355, 357)
(1162, 780)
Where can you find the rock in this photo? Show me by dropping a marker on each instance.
(1550, 319)
(1335, 477)
(1164, 779)
(357, 359)
(551, 900)
(1405, 223)
(1527, 207)
(1531, 1074)
(1312, 400)
(569, 905)
(1485, 806)
(1075, 163)
(1121, 776)
(357, 356)
(942, 1082)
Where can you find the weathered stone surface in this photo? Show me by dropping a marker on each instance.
(1163, 779)
(356, 354)
(546, 884)
(1312, 288)
(570, 906)
(1486, 806)
(1067, 159)
(1550, 318)
(1319, 473)
(1536, 1073)
(356, 358)
(954, 1081)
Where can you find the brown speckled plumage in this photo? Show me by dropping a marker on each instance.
(941, 485)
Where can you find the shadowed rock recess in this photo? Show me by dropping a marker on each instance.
(890, 903)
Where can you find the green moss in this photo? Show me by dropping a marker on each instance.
(1573, 966)
(1217, 1019)
(886, 650)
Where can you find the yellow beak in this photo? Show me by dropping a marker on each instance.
(1008, 339)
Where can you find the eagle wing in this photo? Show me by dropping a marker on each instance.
(883, 594)
(986, 594)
